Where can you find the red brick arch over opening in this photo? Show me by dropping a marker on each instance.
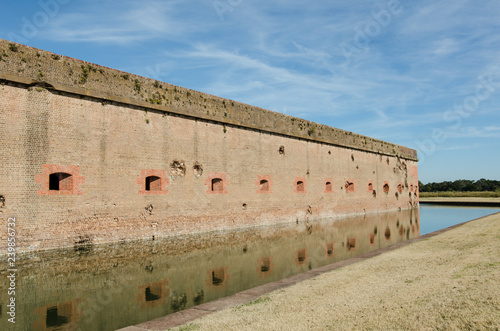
(328, 185)
(216, 183)
(153, 181)
(264, 184)
(58, 179)
(300, 185)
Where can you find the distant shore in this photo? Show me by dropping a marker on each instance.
(452, 194)
(445, 280)
(462, 201)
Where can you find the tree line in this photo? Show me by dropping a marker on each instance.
(462, 185)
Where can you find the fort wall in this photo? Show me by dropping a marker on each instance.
(92, 154)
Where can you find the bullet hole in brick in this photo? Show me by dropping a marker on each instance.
(374, 193)
(281, 150)
(60, 181)
(387, 233)
(153, 238)
(351, 244)
(244, 206)
(217, 185)
(386, 188)
(53, 319)
(153, 183)
(352, 157)
(264, 186)
(153, 293)
(218, 277)
(199, 296)
(372, 238)
(329, 249)
(265, 264)
(178, 168)
(301, 256)
(178, 302)
(300, 186)
(198, 169)
(357, 167)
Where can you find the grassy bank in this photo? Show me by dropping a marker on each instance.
(460, 194)
(448, 282)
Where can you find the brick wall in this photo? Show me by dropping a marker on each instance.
(76, 168)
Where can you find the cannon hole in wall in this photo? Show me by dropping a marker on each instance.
(217, 185)
(265, 264)
(301, 187)
(301, 256)
(153, 183)
(351, 243)
(386, 188)
(264, 185)
(218, 276)
(60, 181)
(53, 319)
(153, 293)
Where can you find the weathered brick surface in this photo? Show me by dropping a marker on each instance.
(111, 147)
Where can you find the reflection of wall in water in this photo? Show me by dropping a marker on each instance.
(127, 284)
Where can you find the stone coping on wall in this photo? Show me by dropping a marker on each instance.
(34, 67)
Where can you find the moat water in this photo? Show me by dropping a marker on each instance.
(114, 286)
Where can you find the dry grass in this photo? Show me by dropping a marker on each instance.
(448, 282)
(460, 194)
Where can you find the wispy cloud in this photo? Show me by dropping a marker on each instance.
(286, 55)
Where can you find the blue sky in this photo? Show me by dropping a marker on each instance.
(423, 74)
